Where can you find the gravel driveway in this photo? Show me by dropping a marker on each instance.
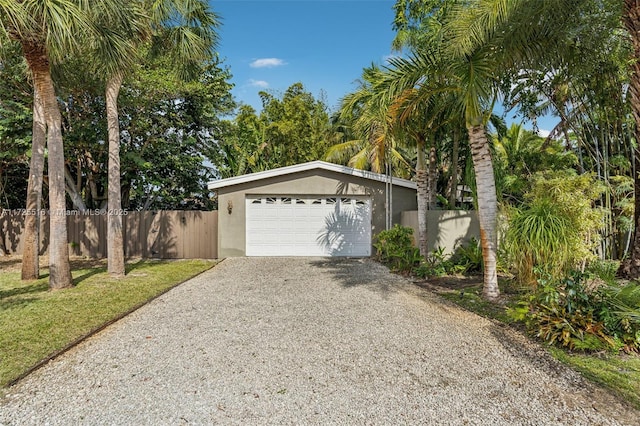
(306, 341)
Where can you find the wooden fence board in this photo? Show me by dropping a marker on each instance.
(147, 234)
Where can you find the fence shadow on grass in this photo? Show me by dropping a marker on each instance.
(91, 272)
(28, 289)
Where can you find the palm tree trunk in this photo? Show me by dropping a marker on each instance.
(454, 170)
(433, 176)
(631, 19)
(115, 243)
(423, 198)
(30, 262)
(59, 268)
(487, 207)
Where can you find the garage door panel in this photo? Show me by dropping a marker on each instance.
(311, 226)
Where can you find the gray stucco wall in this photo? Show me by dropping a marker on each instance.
(231, 226)
(445, 228)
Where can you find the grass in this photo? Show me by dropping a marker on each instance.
(620, 373)
(36, 323)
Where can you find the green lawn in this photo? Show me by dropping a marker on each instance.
(620, 373)
(36, 323)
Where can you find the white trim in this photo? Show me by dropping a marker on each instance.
(252, 177)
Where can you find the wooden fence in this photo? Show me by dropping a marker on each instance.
(147, 234)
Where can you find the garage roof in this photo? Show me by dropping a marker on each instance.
(313, 165)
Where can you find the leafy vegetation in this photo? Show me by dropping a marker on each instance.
(31, 316)
(619, 372)
(292, 128)
(395, 248)
(557, 228)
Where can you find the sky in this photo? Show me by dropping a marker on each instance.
(324, 44)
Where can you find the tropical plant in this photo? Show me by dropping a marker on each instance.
(557, 229)
(47, 32)
(373, 142)
(631, 20)
(395, 248)
(566, 312)
(520, 154)
(185, 30)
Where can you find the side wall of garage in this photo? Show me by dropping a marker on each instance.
(232, 209)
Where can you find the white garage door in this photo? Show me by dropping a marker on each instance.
(308, 226)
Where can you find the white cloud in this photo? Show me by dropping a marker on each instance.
(267, 63)
(258, 83)
(544, 133)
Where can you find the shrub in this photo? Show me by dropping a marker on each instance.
(395, 248)
(435, 265)
(557, 230)
(565, 313)
(539, 236)
(467, 258)
(620, 312)
(606, 270)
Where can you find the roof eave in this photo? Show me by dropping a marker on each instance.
(297, 168)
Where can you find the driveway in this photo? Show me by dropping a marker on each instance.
(306, 341)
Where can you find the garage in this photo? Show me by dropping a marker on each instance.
(310, 209)
(308, 226)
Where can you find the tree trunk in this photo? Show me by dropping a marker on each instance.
(423, 198)
(631, 19)
(72, 190)
(115, 243)
(454, 170)
(59, 268)
(433, 176)
(30, 262)
(487, 207)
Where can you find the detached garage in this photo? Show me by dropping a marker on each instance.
(311, 209)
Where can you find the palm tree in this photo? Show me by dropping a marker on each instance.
(44, 38)
(478, 41)
(48, 32)
(113, 51)
(366, 114)
(31, 251)
(183, 29)
(631, 20)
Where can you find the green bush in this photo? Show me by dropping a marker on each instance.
(395, 248)
(619, 309)
(435, 265)
(467, 259)
(606, 270)
(565, 313)
(557, 229)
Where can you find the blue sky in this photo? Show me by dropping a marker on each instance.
(324, 44)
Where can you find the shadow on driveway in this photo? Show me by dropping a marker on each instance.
(359, 272)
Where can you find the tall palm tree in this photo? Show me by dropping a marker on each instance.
(366, 114)
(113, 51)
(31, 251)
(631, 20)
(474, 43)
(182, 29)
(48, 32)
